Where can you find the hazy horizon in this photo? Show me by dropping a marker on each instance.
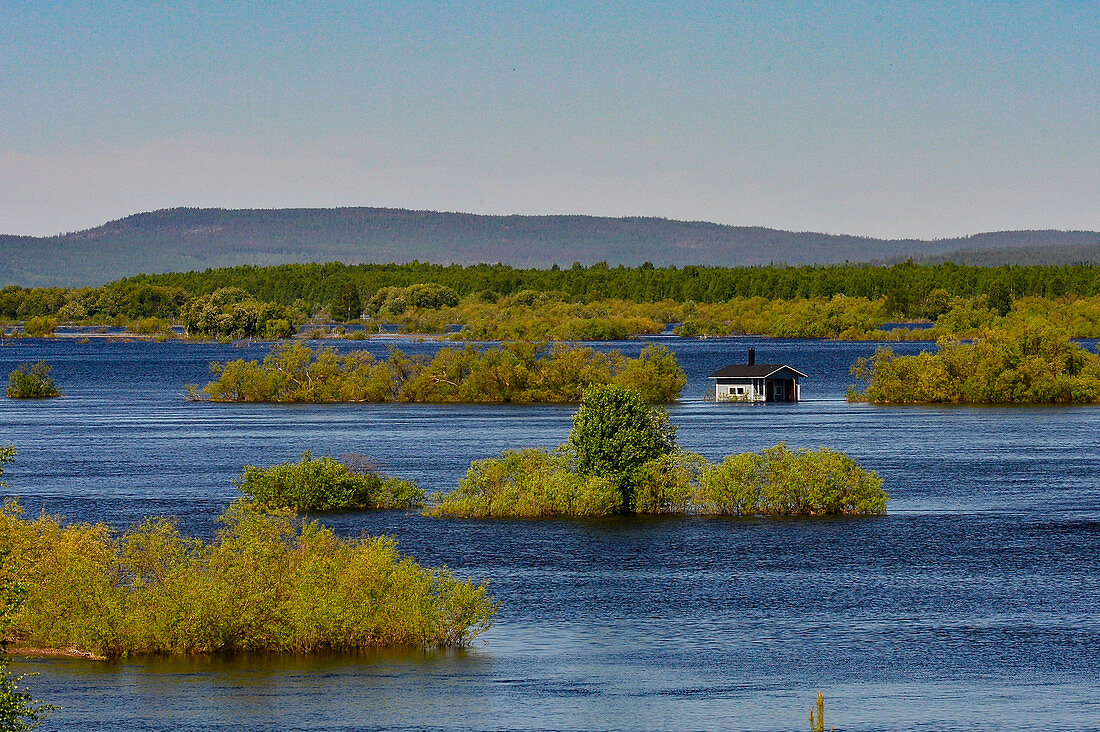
(883, 120)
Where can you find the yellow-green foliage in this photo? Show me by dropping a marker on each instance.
(536, 316)
(530, 316)
(668, 484)
(819, 317)
(516, 372)
(40, 326)
(776, 482)
(528, 483)
(1028, 364)
(150, 326)
(325, 484)
(784, 482)
(267, 583)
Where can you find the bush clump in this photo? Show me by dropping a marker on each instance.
(40, 326)
(32, 381)
(782, 482)
(268, 582)
(1026, 365)
(528, 483)
(514, 372)
(325, 484)
(622, 458)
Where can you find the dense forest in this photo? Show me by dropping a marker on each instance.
(599, 302)
(905, 284)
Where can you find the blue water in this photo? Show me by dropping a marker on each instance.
(972, 605)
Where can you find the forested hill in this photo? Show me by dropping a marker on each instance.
(184, 239)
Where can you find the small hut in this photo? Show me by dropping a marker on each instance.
(757, 382)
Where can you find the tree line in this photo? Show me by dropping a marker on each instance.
(905, 285)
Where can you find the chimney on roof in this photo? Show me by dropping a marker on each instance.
(752, 357)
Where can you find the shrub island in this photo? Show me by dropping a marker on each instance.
(1024, 365)
(513, 372)
(622, 458)
(29, 381)
(325, 484)
(269, 581)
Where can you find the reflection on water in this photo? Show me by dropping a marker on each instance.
(973, 605)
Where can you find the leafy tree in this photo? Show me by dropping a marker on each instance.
(346, 304)
(615, 432)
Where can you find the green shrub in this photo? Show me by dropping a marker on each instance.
(528, 483)
(266, 583)
(150, 326)
(534, 483)
(667, 484)
(40, 326)
(32, 382)
(514, 372)
(784, 482)
(1027, 364)
(278, 329)
(324, 484)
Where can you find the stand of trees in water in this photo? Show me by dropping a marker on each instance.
(268, 582)
(19, 710)
(622, 458)
(514, 372)
(579, 303)
(1031, 364)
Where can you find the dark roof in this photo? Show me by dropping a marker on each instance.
(756, 371)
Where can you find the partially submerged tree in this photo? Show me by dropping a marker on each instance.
(615, 432)
(32, 381)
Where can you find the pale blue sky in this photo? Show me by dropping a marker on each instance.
(884, 119)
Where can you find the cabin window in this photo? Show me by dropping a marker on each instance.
(739, 390)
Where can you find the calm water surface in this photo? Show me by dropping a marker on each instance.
(973, 605)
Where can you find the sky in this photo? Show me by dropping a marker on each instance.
(891, 120)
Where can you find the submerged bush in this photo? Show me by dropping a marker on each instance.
(776, 482)
(784, 482)
(1030, 364)
(615, 432)
(40, 326)
(268, 582)
(528, 483)
(622, 458)
(324, 484)
(514, 372)
(29, 381)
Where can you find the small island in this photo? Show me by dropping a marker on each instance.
(1026, 365)
(622, 458)
(519, 373)
(326, 484)
(32, 381)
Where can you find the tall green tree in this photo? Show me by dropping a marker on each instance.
(346, 304)
(615, 431)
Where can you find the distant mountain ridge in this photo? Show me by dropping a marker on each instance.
(182, 239)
